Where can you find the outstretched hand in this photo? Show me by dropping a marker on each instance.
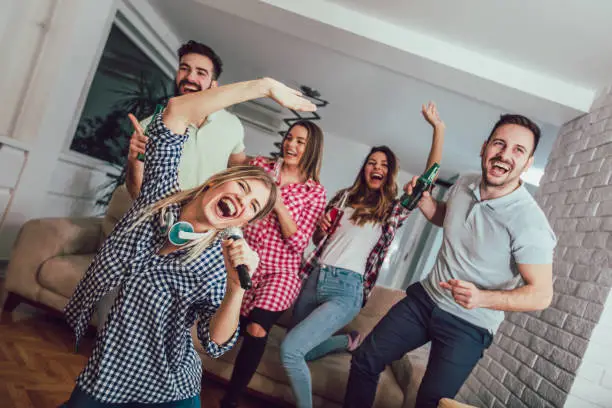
(431, 115)
(288, 97)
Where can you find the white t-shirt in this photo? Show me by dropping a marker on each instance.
(351, 244)
(208, 148)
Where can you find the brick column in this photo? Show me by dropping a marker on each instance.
(536, 357)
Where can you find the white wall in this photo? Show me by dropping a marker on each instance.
(51, 56)
(23, 26)
(11, 162)
(76, 184)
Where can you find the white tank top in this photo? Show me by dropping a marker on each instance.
(351, 244)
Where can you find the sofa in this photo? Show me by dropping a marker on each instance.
(51, 255)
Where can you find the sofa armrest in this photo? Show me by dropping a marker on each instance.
(45, 238)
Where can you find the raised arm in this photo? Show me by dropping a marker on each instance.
(433, 210)
(431, 115)
(167, 132)
(191, 108)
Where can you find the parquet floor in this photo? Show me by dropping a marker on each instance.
(38, 365)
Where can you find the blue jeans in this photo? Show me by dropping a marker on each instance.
(80, 399)
(330, 299)
(456, 347)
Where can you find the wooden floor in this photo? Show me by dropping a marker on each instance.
(38, 365)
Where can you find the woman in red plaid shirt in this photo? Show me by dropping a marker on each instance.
(280, 240)
(344, 267)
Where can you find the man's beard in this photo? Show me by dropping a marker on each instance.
(177, 87)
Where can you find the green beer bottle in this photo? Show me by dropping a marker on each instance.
(423, 183)
(158, 110)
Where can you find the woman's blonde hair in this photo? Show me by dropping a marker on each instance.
(197, 246)
(373, 206)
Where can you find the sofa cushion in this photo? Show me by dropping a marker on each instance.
(61, 274)
(379, 303)
(329, 374)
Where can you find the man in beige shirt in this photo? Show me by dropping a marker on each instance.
(213, 144)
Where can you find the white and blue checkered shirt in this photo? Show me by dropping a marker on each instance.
(144, 353)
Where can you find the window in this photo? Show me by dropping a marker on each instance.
(126, 81)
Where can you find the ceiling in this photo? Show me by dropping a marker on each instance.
(561, 38)
(349, 51)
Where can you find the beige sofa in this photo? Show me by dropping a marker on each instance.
(398, 383)
(51, 255)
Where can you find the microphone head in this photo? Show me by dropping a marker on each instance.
(232, 232)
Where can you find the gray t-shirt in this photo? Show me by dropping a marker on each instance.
(483, 241)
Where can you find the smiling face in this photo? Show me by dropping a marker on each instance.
(376, 170)
(233, 203)
(294, 145)
(506, 155)
(194, 74)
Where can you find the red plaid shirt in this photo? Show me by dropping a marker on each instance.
(375, 260)
(275, 282)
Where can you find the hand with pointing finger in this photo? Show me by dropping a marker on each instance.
(465, 293)
(138, 141)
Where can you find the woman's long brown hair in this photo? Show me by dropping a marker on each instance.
(310, 163)
(373, 205)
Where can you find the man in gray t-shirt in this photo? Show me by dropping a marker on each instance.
(496, 256)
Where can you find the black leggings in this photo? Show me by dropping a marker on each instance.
(251, 351)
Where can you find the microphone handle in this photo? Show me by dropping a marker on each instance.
(244, 277)
(243, 272)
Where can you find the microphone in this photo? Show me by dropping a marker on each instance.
(235, 233)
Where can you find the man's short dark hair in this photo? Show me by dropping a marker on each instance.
(194, 47)
(512, 119)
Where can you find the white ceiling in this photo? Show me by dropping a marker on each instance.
(567, 39)
(375, 88)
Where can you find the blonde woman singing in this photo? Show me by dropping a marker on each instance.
(171, 268)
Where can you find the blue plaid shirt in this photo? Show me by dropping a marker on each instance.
(144, 353)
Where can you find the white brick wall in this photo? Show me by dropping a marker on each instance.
(593, 384)
(562, 356)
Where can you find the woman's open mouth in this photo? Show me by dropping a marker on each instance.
(377, 176)
(226, 207)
